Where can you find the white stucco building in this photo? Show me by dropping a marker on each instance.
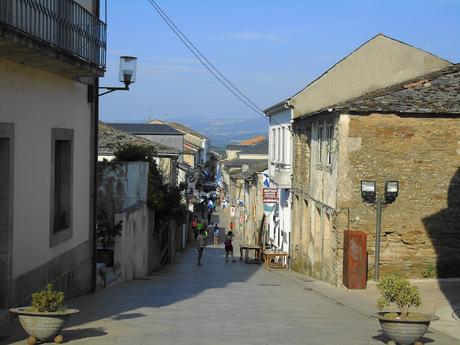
(280, 171)
(48, 124)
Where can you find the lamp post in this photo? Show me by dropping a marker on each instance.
(127, 75)
(369, 196)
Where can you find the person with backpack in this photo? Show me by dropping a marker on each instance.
(229, 246)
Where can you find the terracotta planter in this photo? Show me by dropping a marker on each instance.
(405, 332)
(43, 326)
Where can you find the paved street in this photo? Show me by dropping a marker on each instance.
(218, 303)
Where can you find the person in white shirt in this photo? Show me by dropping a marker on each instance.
(215, 232)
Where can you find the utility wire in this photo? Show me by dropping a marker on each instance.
(206, 63)
(206, 59)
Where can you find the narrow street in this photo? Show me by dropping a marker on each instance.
(219, 303)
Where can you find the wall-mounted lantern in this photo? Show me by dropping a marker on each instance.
(368, 192)
(369, 196)
(128, 66)
(391, 191)
(127, 75)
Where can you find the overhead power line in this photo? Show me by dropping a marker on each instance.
(207, 63)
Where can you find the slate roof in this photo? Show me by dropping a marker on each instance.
(110, 138)
(435, 93)
(256, 165)
(235, 147)
(146, 128)
(180, 127)
(259, 148)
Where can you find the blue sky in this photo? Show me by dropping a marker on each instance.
(269, 48)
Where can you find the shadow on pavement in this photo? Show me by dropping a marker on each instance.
(384, 338)
(81, 333)
(172, 284)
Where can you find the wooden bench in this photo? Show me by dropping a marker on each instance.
(269, 255)
(246, 248)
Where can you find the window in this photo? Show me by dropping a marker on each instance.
(319, 141)
(278, 155)
(61, 185)
(283, 141)
(329, 137)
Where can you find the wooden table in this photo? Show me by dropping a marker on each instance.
(269, 255)
(246, 248)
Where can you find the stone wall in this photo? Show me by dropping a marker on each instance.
(316, 238)
(421, 229)
(121, 185)
(300, 183)
(132, 246)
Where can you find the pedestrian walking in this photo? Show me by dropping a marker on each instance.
(210, 205)
(229, 246)
(210, 230)
(199, 227)
(209, 217)
(216, 233)
(231, 226)
(194, 226)
(200, 242)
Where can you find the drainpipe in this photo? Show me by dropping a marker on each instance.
(95, 153)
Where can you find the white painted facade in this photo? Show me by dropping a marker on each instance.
(36, 101)
(280, 170)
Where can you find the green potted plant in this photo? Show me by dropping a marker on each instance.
(45, 317)
(404, 326)
(106, 232)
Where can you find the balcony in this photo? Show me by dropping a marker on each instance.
(56, 35)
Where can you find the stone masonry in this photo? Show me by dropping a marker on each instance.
(420, 230)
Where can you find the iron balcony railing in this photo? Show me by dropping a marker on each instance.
(63, 24)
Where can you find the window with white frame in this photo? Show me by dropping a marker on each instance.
(283, 141)
(280, 146)
(278, 155)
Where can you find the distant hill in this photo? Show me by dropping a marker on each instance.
(222, 132)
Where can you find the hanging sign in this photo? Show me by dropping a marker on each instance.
(270, 195)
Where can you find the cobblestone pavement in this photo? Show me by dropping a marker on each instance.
(219, 303)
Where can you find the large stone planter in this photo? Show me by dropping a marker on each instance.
(42, 326)
(405, 332)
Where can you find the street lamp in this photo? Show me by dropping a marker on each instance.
(369, 196)
(127, 75)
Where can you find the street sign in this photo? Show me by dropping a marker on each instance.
(270, 195)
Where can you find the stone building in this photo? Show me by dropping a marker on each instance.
(386, 112)
(243, 187)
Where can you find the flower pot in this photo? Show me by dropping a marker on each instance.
(405, 332)
(43, 326)
(105, 256)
